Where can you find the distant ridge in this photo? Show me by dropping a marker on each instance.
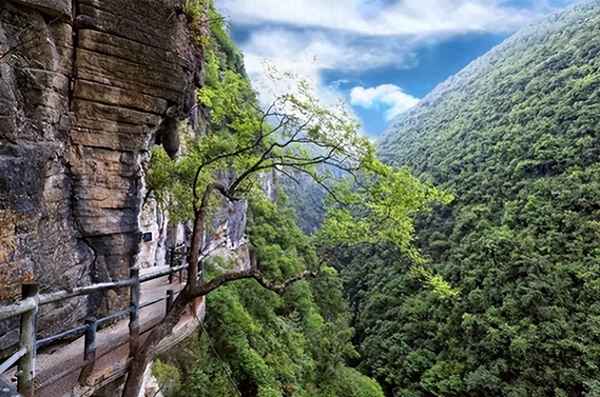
(516, 137)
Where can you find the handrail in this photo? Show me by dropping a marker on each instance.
(12, 360)
(161, 273)
(115, 316)
(17, 309)
(28, 307)
(65, 334)
(79, 291)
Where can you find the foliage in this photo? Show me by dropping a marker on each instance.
(293, 345)
(168, 377)
(245, 141)
(515, 137)
(204, 18)
(379, 209)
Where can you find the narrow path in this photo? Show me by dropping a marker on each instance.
(58, 370)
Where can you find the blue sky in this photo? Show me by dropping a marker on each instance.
(380, 56)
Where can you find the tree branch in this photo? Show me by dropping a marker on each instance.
(235, 153)
(226, 278)
(281, 288)
(327, 189)
(252, 273)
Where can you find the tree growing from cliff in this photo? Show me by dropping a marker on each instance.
(295, 134)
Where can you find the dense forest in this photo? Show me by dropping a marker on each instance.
(515, 138)
(257, 343)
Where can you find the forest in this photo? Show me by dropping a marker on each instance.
(514, 137)
(403, 202)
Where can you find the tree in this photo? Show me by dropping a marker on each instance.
(296, 133)
(515, 137)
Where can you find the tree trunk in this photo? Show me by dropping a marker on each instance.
(198, 237)
(193, 290)
(196, 248)
(144, 355)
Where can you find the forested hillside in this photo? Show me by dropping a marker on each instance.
(277, 323)
(516, 138)
(257, 343)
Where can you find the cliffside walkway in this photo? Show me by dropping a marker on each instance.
(102, 355)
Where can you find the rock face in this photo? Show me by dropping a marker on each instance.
(86, 87)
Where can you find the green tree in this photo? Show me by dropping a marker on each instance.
(264, 344)
(245, 142)
(294, 134)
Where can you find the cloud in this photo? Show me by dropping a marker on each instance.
(379, 18)
(288, 52)
(326, 50)
(389, 96)
(309, 53)
(309, 37)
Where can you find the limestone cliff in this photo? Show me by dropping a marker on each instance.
(86, 88)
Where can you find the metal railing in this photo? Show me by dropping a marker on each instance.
(27, 308)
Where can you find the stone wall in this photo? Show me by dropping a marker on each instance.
(86, 87)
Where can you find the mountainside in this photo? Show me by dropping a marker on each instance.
(515, 137)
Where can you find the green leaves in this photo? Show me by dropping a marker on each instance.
(379, 208)
(296, 344)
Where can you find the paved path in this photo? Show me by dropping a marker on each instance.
(58, 370)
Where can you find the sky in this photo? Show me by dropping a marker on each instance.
(379, 56)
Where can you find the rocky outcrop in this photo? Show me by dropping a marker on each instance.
(86, 88)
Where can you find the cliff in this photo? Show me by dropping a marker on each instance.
(86, 87)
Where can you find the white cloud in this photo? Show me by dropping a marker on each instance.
(389, 96)
(288, 53)
(300, 53)
(316, 50)
(407, 17)
(307, 54)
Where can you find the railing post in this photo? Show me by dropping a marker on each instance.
(134, 321)
(171, 253)
(182, 262)
(26, 372)
(89, 352)
(170, 300)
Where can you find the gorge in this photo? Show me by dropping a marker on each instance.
(457, 256)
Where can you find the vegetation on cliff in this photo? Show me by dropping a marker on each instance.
(515, 138)
(269, 345)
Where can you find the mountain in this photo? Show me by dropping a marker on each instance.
(515, 136)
